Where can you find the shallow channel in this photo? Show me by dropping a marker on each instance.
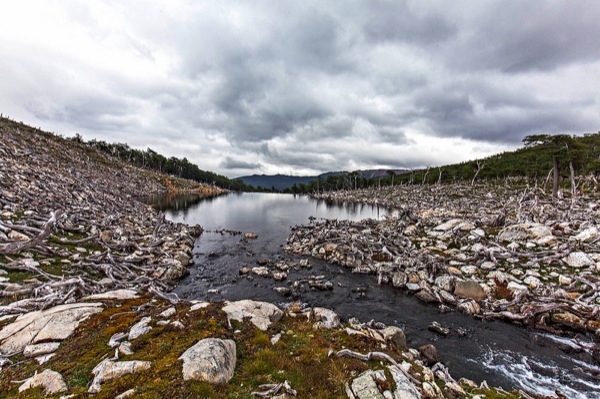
(497, 352)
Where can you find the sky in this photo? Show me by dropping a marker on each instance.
(304, 87)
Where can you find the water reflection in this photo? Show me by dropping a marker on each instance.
(274, 213)
(177, 202)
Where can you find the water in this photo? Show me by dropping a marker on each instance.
(498, 352)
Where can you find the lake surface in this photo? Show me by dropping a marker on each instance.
(498, 352)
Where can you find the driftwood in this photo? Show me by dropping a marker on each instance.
(18, 246)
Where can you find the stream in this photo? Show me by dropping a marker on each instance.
(500, 353)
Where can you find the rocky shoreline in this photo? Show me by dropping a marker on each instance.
(495, 252)
(85, 271)
(122, 344)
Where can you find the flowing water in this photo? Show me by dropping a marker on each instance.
(497, 352)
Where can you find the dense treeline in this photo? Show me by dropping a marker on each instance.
(150, 159)
(535, 160)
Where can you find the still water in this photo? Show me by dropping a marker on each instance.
(498, 352)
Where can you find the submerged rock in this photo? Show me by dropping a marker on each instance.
(211, 359)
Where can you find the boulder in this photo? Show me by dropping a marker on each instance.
(108, 370)
(326, 318)
(578, 259)
(449, 225)
(429, 354)
(394, 335)
(140, 328)
(365, 386)
(51, 381)
(211, 359)
(54, 324)
(168, 313)
(469, 289)
(261, 314)
(524, 231)
(404, 388)
(40, 349)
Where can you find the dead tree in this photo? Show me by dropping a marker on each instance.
(480, 166)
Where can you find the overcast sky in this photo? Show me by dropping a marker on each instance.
(300, 87)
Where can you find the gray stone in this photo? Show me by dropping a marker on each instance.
(261, 314)
(449, 225)
(211, 359)
(404, 388)
(54, 324)
(589, 234)
(469, 289)
(168, 313)
(578, 259)
(395, 335)
(108, 370)
(140, 328)
(126, 394)
(40, 349)
(469, 306)
(365, 387)
(524, 231)
(445, 282)
(326, 318)
(51, 381)
(429, 354)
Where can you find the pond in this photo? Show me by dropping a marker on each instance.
(498, 352)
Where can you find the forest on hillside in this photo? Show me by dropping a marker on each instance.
(150, 159)
(534, 161)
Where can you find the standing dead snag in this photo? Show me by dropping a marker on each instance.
(480, 166)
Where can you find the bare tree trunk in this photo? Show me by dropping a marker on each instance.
(479, 167)
(425, 176)
(555, 184)
(439, 181)
(573, 186)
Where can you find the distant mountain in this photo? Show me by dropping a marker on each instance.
(281, 182)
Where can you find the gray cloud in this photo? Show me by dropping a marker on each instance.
(305, 87)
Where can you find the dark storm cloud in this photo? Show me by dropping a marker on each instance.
(231, 163)
(518, 36)
(306, 86)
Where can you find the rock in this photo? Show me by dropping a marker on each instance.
(445, 282)
(125, 348)
(168, 313)
(261, 271)
(569, 320)
(326, 318)
(394, 335)
(199, 305)
(108, 370)
(404, 388)
(126, 394)
(578, 259)
(172, 271)
(524, 231)
(51, 381)
(16, 236)
(365, 387)
(275, 338)
(426, 297)
(285, 291)
(211, 359)
(279, 276)
(449, 225)
(532, 282)
(251, 236)
(516, 287)
(469, 306)
(589, 234)
(40, 349)
(183, 258)
(438, 328)
(54, 324)
(469, 289)
(116, 294)
(429, 354)
(140, 328)
(564, 280)
(261, 314)
(469, 270)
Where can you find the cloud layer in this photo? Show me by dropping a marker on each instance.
(303, 87)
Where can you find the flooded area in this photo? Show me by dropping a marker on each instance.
(497, 352)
